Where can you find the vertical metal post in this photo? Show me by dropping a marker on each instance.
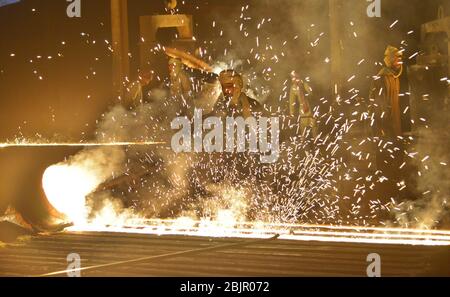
(120, 44)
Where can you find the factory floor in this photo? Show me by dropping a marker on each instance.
(115, 254)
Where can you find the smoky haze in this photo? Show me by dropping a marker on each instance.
(265, 41)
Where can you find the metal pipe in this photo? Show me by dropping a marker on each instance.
(120, 44)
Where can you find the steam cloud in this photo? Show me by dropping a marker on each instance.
(306, 184)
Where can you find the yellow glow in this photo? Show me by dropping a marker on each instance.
(207, 228)
(66, 188)
(113, 215)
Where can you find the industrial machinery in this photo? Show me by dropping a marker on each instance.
(429, 78)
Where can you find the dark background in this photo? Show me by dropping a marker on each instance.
(69, 98)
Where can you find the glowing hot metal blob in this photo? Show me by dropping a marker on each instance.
(66, 188)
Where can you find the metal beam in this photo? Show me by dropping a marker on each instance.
(120, 44)
(150, 24)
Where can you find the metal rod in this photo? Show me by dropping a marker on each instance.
(120, 43)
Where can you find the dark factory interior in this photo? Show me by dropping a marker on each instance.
(113, 116)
